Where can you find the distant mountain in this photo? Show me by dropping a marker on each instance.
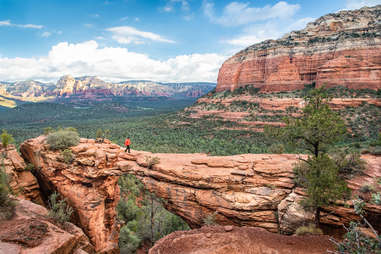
(91, 88)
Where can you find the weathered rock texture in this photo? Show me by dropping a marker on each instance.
(342, 48)
(89, 184)
(244, 190)
(30, 231)
(21, 180)
(238, 240)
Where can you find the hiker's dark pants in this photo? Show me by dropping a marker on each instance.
(127, 148)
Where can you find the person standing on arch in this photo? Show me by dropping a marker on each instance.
(127, 143)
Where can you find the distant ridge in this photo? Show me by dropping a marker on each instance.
(93, 88)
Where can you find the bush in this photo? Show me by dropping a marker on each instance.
(151, 161)
(59, 210)
(67, 156)
(376, 198)
(7, 206)
(48, 130)
(129, 241)
(349, 162)
(6, 139)
(356, 242)
(366, 188)
(308, 230)
(63, 139)
(99, 134)
(276, 148)
(29, 167)
(210, 219)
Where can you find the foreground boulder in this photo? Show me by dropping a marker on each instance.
(243, 190)
(238, 240)
(21, 180)
(31, 231)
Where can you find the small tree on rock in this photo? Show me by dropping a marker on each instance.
(6, 139)
(316, 131)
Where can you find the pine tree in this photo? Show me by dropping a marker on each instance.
(316, 131)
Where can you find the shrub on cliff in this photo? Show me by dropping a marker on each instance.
(67, 156)
(6, 139)
(59, 210)
(63, 139)
(6, 204)
(361, 237)
(349, 162)
(308, 230)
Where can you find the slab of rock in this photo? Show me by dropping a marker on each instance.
(238, 240)
(31, 231)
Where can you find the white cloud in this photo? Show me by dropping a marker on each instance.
(9, 23)
(236, 13)
(46, 34)
(270, 30)
(5, 23)
(356, 4)
(110, 63)
(31, 26)
(128, 34)
(171, 5)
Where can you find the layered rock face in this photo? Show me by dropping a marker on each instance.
(21, 180)
(30, 231)
(243, 190)
(238, 240)
(89, 184)
(342, 48)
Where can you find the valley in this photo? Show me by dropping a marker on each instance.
(281, 155)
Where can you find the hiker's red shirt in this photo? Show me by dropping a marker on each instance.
(127, 142)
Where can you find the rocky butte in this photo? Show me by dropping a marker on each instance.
(342, 48)
(242, 190)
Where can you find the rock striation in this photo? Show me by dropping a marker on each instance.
(254, 190)
(341, 48)
(237, 240)
(30, 231)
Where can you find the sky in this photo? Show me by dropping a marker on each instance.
(160, 40)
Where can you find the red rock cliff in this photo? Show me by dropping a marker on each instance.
(343, 48)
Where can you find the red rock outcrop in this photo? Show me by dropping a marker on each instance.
(30, 231)
(21, 180)
(238, 240)
(342, 48)
(89, 184)
(243, 190)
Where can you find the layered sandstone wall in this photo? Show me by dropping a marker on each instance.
(343, 48)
